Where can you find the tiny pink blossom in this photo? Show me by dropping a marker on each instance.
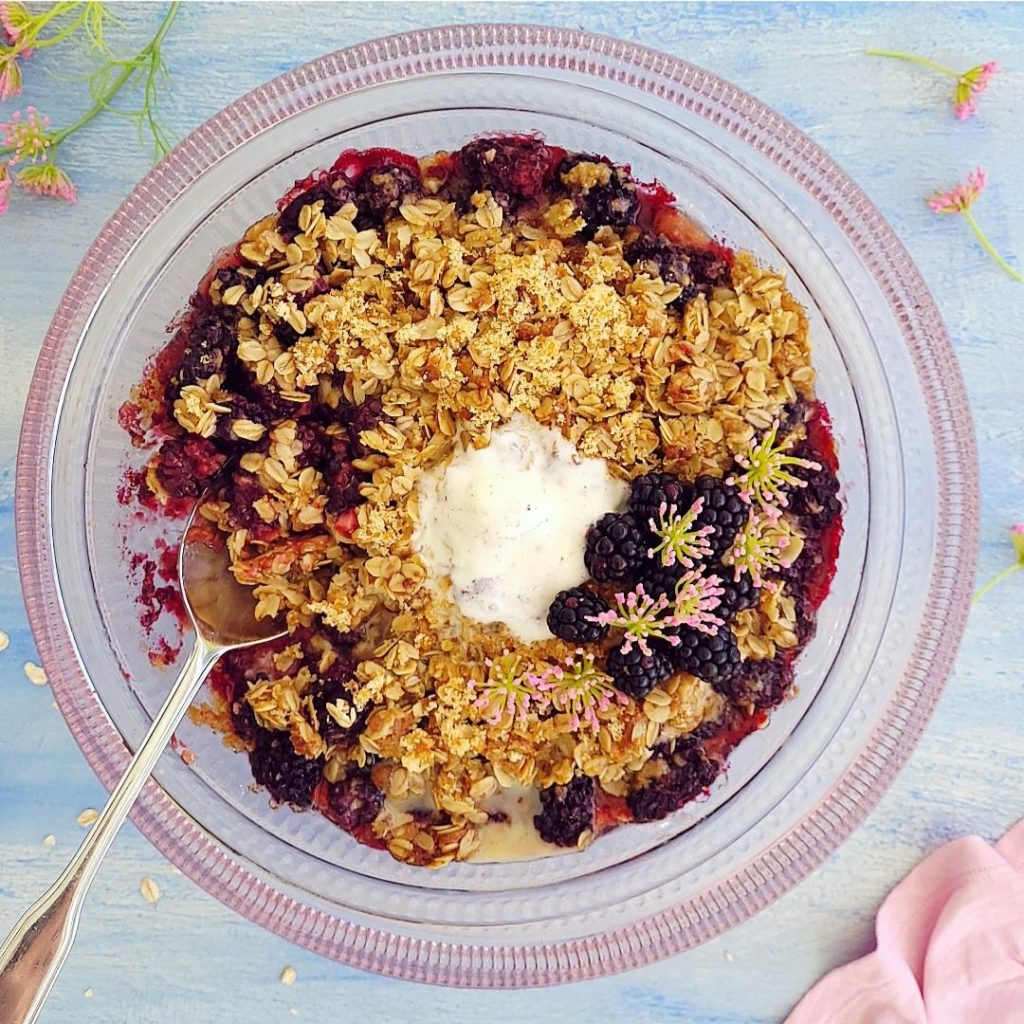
(7, 23)
(961, 198)
(1017, 536)
(46, 180)
(10, 75)
(5, 186)
(27, 134)
(965, 108)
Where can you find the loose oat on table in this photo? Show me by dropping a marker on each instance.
(534, 471)
(35, 673)
(5, 640)
(150, 890)
(87, 817)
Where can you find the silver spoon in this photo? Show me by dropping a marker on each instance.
(222, 612)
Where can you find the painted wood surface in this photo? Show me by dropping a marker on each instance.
(889, 125)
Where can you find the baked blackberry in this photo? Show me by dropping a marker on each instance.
(636, 673)
(187, 465)
(330, 187)
(354, 800)
(711, 658)
(615, 202)
(764, 683)
(817, 502)
(566, 811)
(570, 614)
(382, 190)
(710, 266)
(288, 777)
(688, 774)
(616, 547)
(648, 493)
(723, 510)
(739, 594)
(211, 343)
(654, 254)
(512, 167)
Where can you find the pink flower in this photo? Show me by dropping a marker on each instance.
(961, 198)
(5, 186)
(970, 84)
(10, 75)
(8, 22)
(46, 180)
(27, 135)
(1017, 537)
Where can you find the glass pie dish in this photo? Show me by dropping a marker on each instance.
(887, 632)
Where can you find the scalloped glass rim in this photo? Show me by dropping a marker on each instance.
(629, 71)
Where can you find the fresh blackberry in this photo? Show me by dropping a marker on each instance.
(354, 800)
(332, 187)
(382, 190)
(569, 615)
(711, 658)
(654, 254)
(688, 774)
(662, 579)
(739, 594)
(289, 777)
(648, 493)
(764, 683)
(724, 510)
(566, 811)
(636, 673)
(817, 502)
(616, 547)
(615, 203)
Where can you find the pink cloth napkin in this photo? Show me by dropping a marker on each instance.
(950, 946)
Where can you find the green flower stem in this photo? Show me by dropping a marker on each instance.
(990, 248)
(136, 63)
(923, 61)
(998, 578)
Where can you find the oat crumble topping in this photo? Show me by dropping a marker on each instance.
(377, 348)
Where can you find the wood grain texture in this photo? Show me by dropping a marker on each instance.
(890, 126)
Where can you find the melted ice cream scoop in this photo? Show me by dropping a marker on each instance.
(507, 523)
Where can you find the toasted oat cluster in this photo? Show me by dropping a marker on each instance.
(396, 314)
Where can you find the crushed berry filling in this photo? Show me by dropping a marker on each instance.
(186, 466)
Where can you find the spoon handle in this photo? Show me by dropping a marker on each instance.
(34, 952)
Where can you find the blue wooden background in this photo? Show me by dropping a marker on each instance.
(889, 125)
